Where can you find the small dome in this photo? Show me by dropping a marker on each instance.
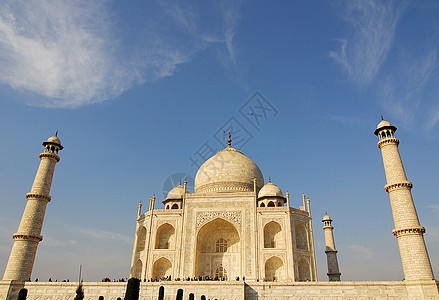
(384, 124)
(176, 193)
(327, 218)
(54, 139)
(228, 171)
(270, 190)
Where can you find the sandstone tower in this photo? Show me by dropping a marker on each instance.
(28, 236)
(408, 231)
(331, 252)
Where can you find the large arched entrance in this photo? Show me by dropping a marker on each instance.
(218, 250)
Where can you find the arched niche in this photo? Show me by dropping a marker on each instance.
(218, 245)
(274, 269)
(301, 237)
(141, 238)
(273, 237)
(137, 272)
(161, 268)
(304, 270)
(165, 237)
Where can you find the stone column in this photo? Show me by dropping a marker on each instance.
(21, 259)
(408, 231)
(331, 253)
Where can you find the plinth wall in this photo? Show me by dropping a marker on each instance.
(232, 290)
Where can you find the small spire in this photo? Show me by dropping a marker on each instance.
(269, 179)
(229, 141)
(180, 181)
(382, 119)
(56, 133)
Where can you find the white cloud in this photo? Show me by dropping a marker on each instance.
(68, 54)
(362, 251)
(373, 26)
(61, 50)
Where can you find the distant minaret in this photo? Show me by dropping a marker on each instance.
(331, 253)
(28, 236)
(408, 231)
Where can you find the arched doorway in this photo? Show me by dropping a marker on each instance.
(274, 269)
(218, 249)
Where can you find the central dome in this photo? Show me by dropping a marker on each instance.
(228, 171)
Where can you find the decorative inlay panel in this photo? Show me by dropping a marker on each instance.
(163, 221)
(269, 255)
(234, 216)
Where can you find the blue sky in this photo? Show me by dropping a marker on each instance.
(137, 89)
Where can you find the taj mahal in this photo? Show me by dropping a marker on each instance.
(234, 237)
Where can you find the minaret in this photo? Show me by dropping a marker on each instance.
(331, 253)
(408, 231)
(21, 259)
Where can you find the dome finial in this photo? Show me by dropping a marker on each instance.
(180, 181)
(56, 133)
(229, 141)
(269, 179)
(382, 119)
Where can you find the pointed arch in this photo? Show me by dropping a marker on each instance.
(301, 237)
(218, 243)
(141, 239)
(271, 204)
(161, 268)
(137, 272)
(274, 269)
(165, 237)
(273, 237)
(304, 270)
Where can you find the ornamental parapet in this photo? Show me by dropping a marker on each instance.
(49, 155)
(38, 196)
(387, 141)
(399, 185)
(415, 230)
(27, 237)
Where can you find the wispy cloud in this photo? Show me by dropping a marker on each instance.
(362, 251)
(69, 54)
(103, 235)
(373, 26)
(401, 92)
(60, 50)
(346, 120)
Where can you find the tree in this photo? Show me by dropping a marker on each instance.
(133, 288)
(79, 292)
(161, 293)
(22, 294)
